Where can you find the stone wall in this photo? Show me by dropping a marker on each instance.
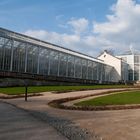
(10, 82)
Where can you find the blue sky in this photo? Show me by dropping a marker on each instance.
(20, 15)
(82, 25)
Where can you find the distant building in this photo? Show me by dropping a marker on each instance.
(132, 58)
(119, 65)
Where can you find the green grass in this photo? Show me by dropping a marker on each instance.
(122, 98)
(37, 89)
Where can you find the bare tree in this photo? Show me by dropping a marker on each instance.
(109, 51)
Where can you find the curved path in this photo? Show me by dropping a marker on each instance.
(107, 125)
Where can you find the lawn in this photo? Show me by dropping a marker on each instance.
(121, 98)
(37, 89)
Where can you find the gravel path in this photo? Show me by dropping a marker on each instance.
(63, 129)
(80, 125)
(17, 124)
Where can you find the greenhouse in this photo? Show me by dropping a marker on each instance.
(23, 54)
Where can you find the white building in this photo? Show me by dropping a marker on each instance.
(132, 58)
(119, 65)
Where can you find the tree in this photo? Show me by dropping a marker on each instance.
(109, 51)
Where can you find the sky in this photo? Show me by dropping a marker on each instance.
(87, 26)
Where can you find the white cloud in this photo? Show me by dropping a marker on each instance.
(53, 37)
(79, 25)
(122, 27)
(84, 44)
(58, 17)
(119, 31)
(120, 20)
(41, 34)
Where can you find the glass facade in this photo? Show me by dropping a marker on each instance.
(133, 68)
(23, 56)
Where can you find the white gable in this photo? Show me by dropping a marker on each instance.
(112, 61)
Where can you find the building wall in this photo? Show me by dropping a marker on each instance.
(133, 61)
(130, 61)
(114, 62)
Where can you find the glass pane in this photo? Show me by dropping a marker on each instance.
(90, 70)
(19, 53)
(84, 69)
(7, 54)
(95, 65)
(63, 64)
(43, 61)
(71, 66)
(53, 63)
(32, 59)
(78, 67)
